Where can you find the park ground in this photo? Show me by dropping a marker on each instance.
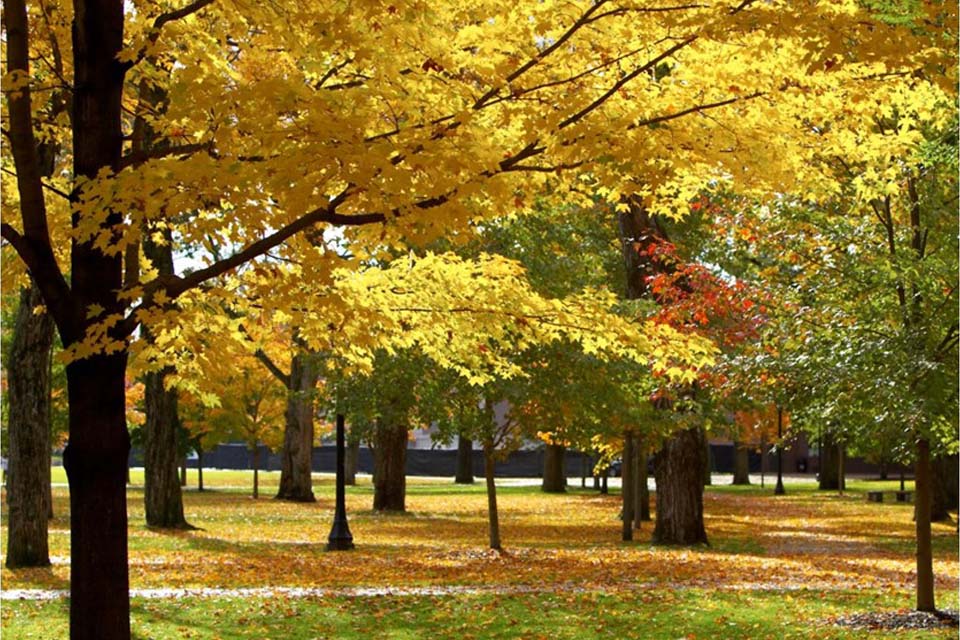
(776, 567)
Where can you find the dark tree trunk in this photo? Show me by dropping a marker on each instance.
(96, 461)
(584, 463)
(940, 499)
(829, 463)
(707, 460)
(199, 469)
(884, 468)
(493, 516)
(464, 460)
(389, 462)
(163, 499)
(554, 469)
(350, 464)
(28, 479)
(841, 468)
(183, 471)
(679, 477)
(628, 486)
(925, 585)
(604, 486)
(256, 472)
(642, 510)
(296, 479)
(741, 464)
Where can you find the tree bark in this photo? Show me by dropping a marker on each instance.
(841, 469)
(741, 464)
(707, 460)
(296, 468)
(943, 478)
(554, 469)
(163, 498)
(628, 486)
(389, 462)
(96, 461)
(925, 583)
(829, 463)
(351, 462)
(680, 490)
(642, 510)
(464, 460)
(199, 469)
(28, 474)
(493, 516)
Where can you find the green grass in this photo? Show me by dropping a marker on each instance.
(656, 614)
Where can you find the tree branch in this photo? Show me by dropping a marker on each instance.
(48, 187)
(158, 24)
(139, 157)
(272, 367)
(33, 245)
(624, 80)
(694, 109)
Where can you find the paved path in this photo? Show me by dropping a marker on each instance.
(448, 590)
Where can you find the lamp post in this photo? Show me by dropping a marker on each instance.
(779, 491)
(340, 538)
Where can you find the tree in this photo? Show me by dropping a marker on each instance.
(251, 408)
(28, 394)
(296, 468)
(868, 273)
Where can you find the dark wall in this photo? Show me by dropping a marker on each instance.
(420, 462)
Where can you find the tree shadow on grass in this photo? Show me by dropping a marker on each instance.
(39, 577)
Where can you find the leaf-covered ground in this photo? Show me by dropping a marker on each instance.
(787, 562)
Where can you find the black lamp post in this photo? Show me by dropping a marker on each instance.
(340, 538)
(779, 491)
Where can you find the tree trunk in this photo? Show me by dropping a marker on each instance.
(841, 469)
(28, 477)
(183, 471)
(96, 461)
(199, 469)
(493, 516)
(741, 464)
(925, 592)
(604, 487)
(680, 490)
(256, 472)
(163, 499)
(763, 459)
(707, 460)
(464, 460)
(584, 463)
(940, 499)
(296, 468)
(628, 486)
(554, 469)
(829, 464)
(641, 512)
(351, 462)
(389, 462)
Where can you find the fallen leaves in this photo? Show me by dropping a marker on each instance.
(803, 541)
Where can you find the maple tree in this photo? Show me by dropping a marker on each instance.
(868, 275)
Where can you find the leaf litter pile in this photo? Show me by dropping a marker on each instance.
(894, 620)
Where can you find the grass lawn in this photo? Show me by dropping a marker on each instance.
(777, 567)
